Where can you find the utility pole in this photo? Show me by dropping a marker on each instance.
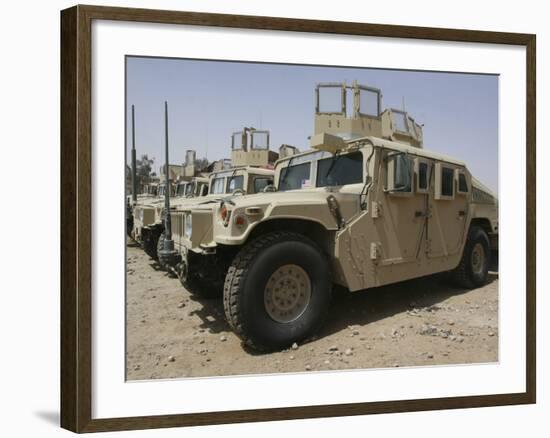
(134, 170)
(167, 255)
(168, 219)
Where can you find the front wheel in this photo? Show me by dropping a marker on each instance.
(160, 247)
(150, 242)
(277, 290)
(473, 269)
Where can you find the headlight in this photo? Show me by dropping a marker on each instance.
(188, 225)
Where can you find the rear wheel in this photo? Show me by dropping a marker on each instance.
(473, 269)
(277, 290)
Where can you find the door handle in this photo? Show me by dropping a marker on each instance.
(462, 213)
(418, 213)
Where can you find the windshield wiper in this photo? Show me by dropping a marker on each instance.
(287, 168)
(334, 160)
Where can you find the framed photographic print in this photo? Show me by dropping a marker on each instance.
(268, 218)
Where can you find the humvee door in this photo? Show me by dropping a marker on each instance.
(403, 210)
(449, 196)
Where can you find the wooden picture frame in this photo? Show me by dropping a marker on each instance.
(76, 217)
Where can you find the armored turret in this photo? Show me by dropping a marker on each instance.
(250, 147)
(355, 111)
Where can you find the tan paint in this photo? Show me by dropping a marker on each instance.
(397, 236)
(395, 225)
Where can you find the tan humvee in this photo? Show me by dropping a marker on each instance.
(149, 194)
(367, 206)
(149, 225)
(250, 152)
(147, 213)
(197, 186)
(250, 147)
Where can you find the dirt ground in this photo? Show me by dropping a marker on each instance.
(172, 334)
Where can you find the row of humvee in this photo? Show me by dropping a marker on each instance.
(366, 206)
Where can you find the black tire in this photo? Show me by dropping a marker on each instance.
(464, 274)
(198, 286)
(129, 225)
(150, 244)
(160, 246)
(246, 280)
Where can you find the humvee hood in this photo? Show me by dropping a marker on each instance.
(301, 204)
(302, 197)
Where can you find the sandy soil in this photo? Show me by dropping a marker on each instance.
(171, 334)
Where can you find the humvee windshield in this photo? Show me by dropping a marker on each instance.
(234, 183)
(295, 177)
(340, 170)
(181, 189)
(189, 189)
(261, 183)
(218, 186)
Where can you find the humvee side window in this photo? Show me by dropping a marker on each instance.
(295, 177)
(444, 182)
(340, 170)
(422, 176)
(261, 183)
(462, 184)
(400, 173)
(234, 183)
(218, 186)
(447, 178)
(189, 189)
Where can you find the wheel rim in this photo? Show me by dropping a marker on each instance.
(287, 293)
(478, 258)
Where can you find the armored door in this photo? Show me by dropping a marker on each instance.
(402, 213)
(448, 210)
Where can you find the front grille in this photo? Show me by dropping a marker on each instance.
(178, 223)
